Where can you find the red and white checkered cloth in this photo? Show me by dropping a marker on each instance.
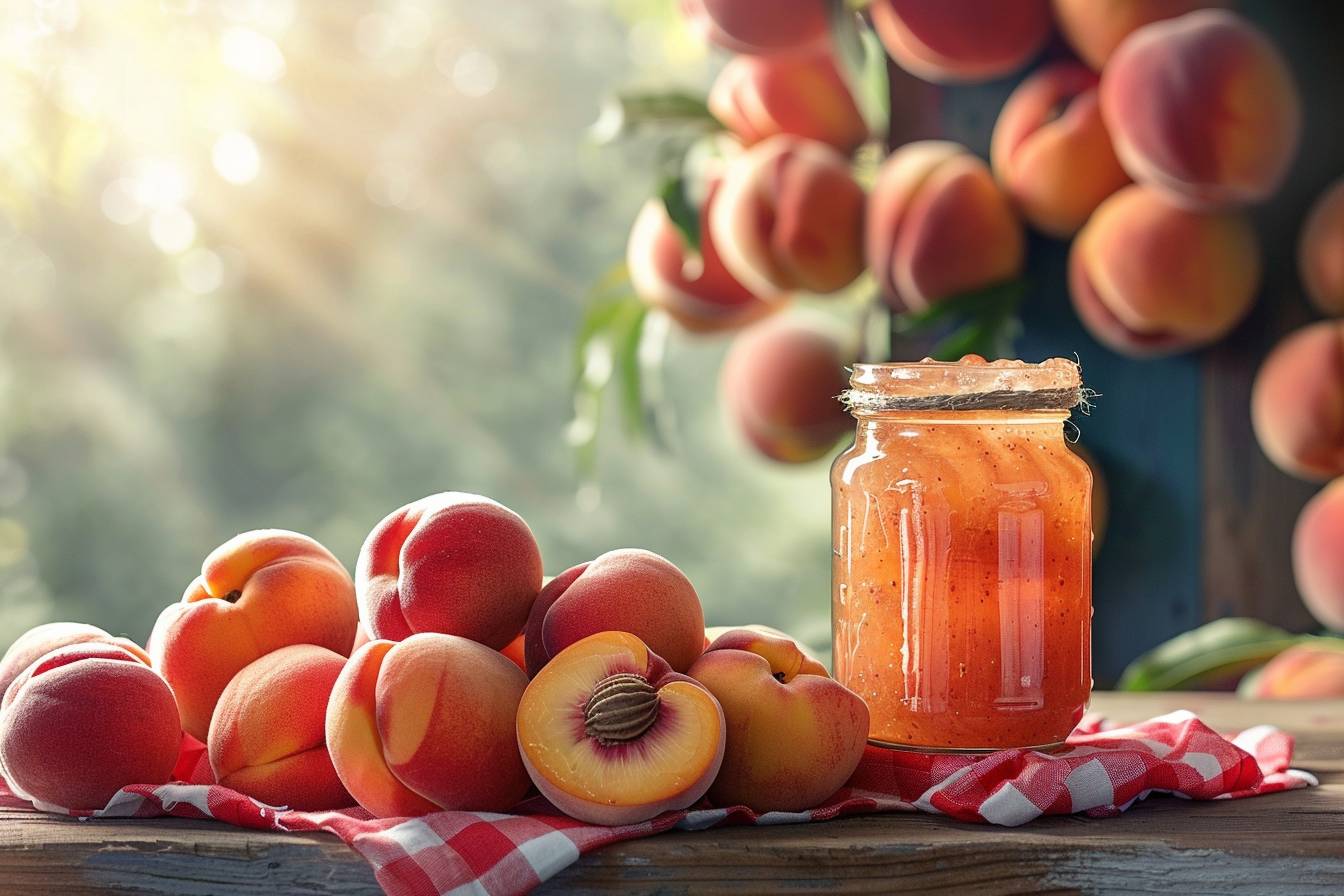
(1102, 772)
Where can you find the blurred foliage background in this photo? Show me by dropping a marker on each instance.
(293, 264)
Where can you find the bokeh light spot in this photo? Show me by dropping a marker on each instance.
(201, 271)
(172, 229)
(119, 202)
(236, 157)
(474, 73)
(251, 53)
(13, 542)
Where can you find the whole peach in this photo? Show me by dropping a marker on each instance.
(257, 592)
(35, 643)
(698, 293)
(939, 225)
(1149, 278)
(961, 40)
(427, 724)
(268, 735)
(1051, 151)
(1320, 251)
(759, 27)
(1297, 402)
(1312, 670)
(1203, 107)
(1318, 561)
(780, 388)
(793, 735)
(757, 97)
(84, 721)
(1094, 28)
(452, 563)
(629, 590)
(789, 216)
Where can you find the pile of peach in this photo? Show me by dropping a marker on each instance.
(443, 676)
(1143, 145)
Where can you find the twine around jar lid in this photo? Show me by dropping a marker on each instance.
(971, 384)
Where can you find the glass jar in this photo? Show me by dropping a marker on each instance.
(962, 576)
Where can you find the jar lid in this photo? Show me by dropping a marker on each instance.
(971, 384)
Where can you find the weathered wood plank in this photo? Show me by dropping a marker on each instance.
(1164, 845)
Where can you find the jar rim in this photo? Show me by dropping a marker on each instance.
(969, 384)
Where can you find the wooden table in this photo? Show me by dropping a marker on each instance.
(1282, 843)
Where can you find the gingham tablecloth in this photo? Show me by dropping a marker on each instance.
(1102, 772)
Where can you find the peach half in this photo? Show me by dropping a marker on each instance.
(611, 735)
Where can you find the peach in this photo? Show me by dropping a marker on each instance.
(697, 292)
(35, 643)
(794, 735)
(628, 590)
(1309, 671)
(514, 652)
(714, 632)
(1150, 278)
(1297, 402)
(1051, 152)
(789, 216)
(1318, 561)
(427, 724)
(780, 387)
(84, 721)
(757, 97)
(938, 225)
(951, 41)
(611, 735)
(759, 27)
(451, 563)
(268, 735)
(1320, 251)
(1094, 28)
(257, 592)
(1204, 107)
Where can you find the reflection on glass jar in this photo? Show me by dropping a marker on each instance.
(962, 555)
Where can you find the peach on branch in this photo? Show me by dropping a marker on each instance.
(1094, 28)
(695, 290)
(1318, 561)
(780, 386)
(257, 592)
(789, 216)
(757, 97)
(629, 590)
(452, 563)
(1203, 107)
(1320, 251)
(1307, 671)
(611, 735)
(1149, 277)
(84, 721)
(961, 40)
(938, 225)
(427, 724)
(37, 642)
(759, 27)
(1297, 402)
(1051, 151)
(793, 734)
(268, 735)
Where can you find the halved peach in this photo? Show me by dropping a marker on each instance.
(611, 735)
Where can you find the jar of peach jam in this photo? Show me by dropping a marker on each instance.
(962, 578)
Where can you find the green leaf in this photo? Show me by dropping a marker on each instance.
(976, 303)
(863, 64)
(682, 210)
(1216, 654)
(629, 112)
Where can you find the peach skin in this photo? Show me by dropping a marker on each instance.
(84, 721)
(1151, 278)
(1204, 108)
(35, 643)
(427, 724)
(611, 735)
(628, 590)
(452, 563)
(1318, 561)
(939, 225)
(1320, 251)
(951, 41)
(698, 293)
(794, 735)
(257, 592)
(268, 735)
(757, 97)
(759, 27)
(1051, 152)
(1297, 402)
(1094, 28)
(1312, 670)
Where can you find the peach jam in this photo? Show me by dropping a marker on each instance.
(962, 577)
